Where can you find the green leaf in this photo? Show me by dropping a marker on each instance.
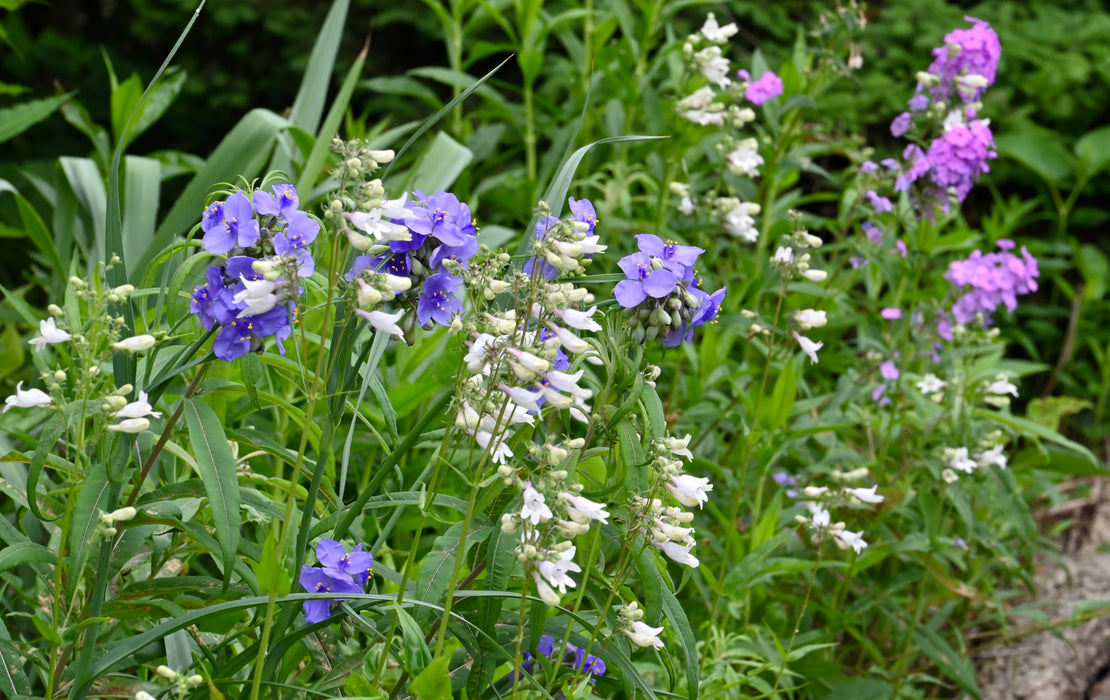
(36, 230)
(1093, 151)
(308, 106)
(951, 662)
(18, 118)
(433, 683)
(25, 553)
(142, 185)
(217, 469)
(1040, 151)
(91, 500)
(437, 169)
(273, 579)
(13, 681)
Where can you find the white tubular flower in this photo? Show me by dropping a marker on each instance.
(783, 256)
(679, 446)
(583, 510)
(534, 364)
(992, 456)
(700, 99)
(26, 399)
(808, 347)
(958, 459)
(143, 695)
(501, 451)
(745, 158)
(376, 223)
(546, 593)
(467, 418)
(571, 528)
(366, 296)
(258, 295)
(569, 341)
(643, 635)
(866, 495)
(535, 506)
(135, 343)
(476, 359)
(557, 572)
(122, 514)
(738, 221)
(810, 318)
(1001, 386)
(815, 275)
(568, 383)
(716, 33)
(381, 321)
(847, 538)
(679, 553)
(397, 284)
(522, 397)
(579, 320)
(49, 334)
(559, 401)
(137, 409)
(689, 490)
(131, 425)
(591, 245)
(714, 66)
(820, 519)
(930, 384)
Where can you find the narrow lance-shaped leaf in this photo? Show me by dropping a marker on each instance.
(217, 470)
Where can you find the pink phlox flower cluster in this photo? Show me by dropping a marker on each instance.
(973, 51)
(991, 280)
(959, 156)
(764, 88)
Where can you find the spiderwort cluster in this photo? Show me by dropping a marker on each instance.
(340, 572)
(661, 292)
(574, 656)
(252, 294)
(416, 258)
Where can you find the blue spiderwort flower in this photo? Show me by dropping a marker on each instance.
(316, 580)
(671, 253)
(438, 301)
(548, 271)
(280, 204)
(644, 280)
(238, 336)
(337, 561)
(236, 227)
(443, 217)
(206, 296)
(583, 210)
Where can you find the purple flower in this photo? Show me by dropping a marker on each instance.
(889, 370)
(643, 280)
(583, 211)
(990, 281)
(438, 301)
(443, 217)
(960, 156)
(901, 124)
(868, 167)
(767, 86)
(676, 258)
(236, 226)
(206, 296)
(239, 335)
(891, 314)
(573, 655)
(878, 202)
(874, 233)
(973, 51)
(315, 580)
(338, 562)
(280, 204)
(918, 102)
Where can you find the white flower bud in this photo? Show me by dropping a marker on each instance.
(135, 344)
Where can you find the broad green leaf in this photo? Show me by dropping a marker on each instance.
(92, 499)
(433, 683)
(87, 183)
(25, 553)
(308, 106)
(1093, 151)
(1095, 268)
(1039, 151)
(18, 118)
(273, 578)
(437, 169)
(217, 469)
(142, 184)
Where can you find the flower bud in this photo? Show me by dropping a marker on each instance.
(135, 344)
(59, 375)
(113, 403)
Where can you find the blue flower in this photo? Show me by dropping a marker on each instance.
(676, 258)
(238, 337)
(438, 301)
(316, 580)
(206, 296)
(583, 210)
(443, 216)
(232, 225)
(280, 204)
(338, 562)
(644, 280)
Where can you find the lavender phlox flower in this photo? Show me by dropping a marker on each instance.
(972, 51)
(237, 226)
(991, 280)
(918, 165)
(901, 124)
(32, 398)
(879, 203)
(889, 370)
(891, 313)
(918, 102)
(764, 88)
(960, 155)
(49, 334)
(438, 299)
(280, 204)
